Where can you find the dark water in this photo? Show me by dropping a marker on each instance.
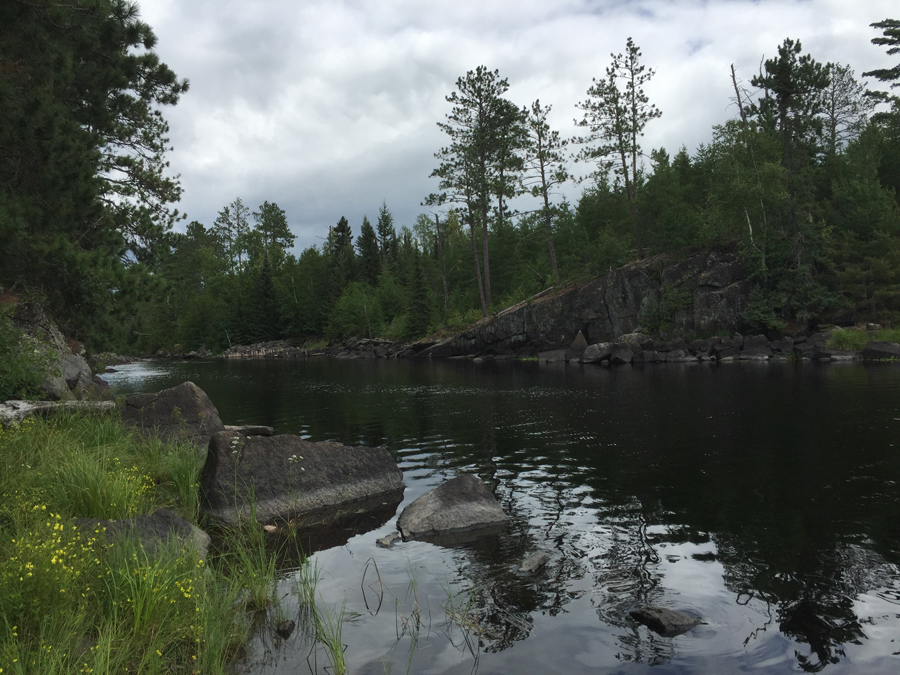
(764, 498)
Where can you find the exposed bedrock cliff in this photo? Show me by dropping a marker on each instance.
(701, 296)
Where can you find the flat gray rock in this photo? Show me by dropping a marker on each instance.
(461, 505)
(180, 413)
(666, 622)
(289, 477)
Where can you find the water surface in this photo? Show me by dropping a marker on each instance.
(764, 498)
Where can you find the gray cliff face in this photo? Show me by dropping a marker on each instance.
(702, 295)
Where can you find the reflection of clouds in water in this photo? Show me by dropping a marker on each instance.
(137, 376)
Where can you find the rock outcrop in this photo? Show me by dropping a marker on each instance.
(286, 476)
(461, 505)
(704, 294)
(68, 375)
(180, 413)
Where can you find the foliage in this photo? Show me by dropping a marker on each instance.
(23, 365)
(802, 185)
(615, 115)
(83, 185)
(70, 602)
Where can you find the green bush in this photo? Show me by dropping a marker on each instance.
(22, 365)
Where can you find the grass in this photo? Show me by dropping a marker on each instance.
(72, 603)
(853, 340)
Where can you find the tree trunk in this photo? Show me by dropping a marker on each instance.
(486, 259)
(477, 264)
(545, 191)
(440, 248)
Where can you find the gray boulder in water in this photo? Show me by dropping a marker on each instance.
(666, 622)
(180, 413)
(285, 476)
(461, 505)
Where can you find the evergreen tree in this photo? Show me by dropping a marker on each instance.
(891, 30)
(418, 316)
(263, 318)
(271, 222)
(340, 248)
(232, 227)
(545, 167)
(369, 261)
(83, 184)
(387, 235)
(615, 115)
(473, 168)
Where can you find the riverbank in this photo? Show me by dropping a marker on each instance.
(75, 599)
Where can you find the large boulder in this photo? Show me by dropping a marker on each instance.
(595, 353)
(621, 355)
(881, 350)
(180, 413)
(281, 477)
(155, 532)
(461, 505)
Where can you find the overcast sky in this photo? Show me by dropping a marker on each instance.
(330, 107)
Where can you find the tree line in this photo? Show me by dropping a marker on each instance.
(802, 184)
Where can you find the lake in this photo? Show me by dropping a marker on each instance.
(762, 497)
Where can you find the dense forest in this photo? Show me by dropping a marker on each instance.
(802, 184)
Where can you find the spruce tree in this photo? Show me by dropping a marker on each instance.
(418, 315)
(367, 246)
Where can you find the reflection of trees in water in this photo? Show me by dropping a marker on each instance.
(626, 575)
(814, 604)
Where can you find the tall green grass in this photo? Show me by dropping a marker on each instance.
(72, 603)
(852, 340)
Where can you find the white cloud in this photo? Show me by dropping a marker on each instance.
(328, 108)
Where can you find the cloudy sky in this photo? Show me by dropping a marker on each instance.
(329, 107)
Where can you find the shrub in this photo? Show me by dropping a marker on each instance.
(22, 365)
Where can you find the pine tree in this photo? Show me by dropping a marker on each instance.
(615, 115)
(83, 184)
(231, 228)
(271, 222)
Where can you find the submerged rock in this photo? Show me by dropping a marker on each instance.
(284, 629)
(389, 540)
(534, 563)
(666, 622)
(281, 477)
(461, 505)
(180, 413)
